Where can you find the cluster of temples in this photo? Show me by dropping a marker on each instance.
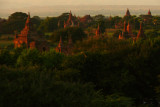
(71, 22)
(31, 39)
(127, 28)
(74, 21)
(127, 32)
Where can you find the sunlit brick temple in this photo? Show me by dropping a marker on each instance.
(29, 38)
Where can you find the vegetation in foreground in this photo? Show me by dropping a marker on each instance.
(121, 73)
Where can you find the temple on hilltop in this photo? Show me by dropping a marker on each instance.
(127, 13)
(141, 32)
(67, 48)
(29, 38)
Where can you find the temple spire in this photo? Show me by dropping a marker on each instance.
(129, 28)
(60, 47)
(125, 28)
(28, 18)
(65, 24)
(98, 31)
(121, 35)
(141, 32)
(60, 42)
(27, 21)
(128, 13)
(70, 15)
(149, 12)
(72, 23)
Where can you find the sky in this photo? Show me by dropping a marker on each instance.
(79, 7)
(27, 3)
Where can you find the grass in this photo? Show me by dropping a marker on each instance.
(6, 40)
(48, 33)
(4, 43)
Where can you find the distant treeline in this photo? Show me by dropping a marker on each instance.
(16, 21)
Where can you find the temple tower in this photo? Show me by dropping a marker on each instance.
(141, 32)
(98, 31)
(121, 36)
(128, 12)
(27, 24)
(65, 24)
(23, 37)
(60, 46)
(125, 28)
(70, 15)
(29, 38)
(129, 29)
(110, 17)
(69, 22)
(149, 13)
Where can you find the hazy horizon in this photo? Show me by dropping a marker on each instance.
(22, 3)
(81, 10)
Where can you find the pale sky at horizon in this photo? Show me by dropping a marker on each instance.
(27, 3)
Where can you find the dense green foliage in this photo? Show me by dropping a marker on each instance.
(16, 22)
(102, 72)
(75, 33)
(31, 87)
(48, 25)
